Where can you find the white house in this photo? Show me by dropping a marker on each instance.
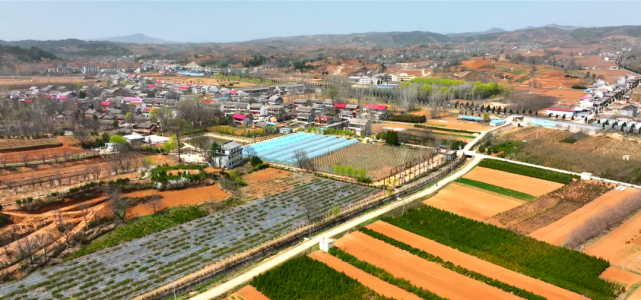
(229, 156)
(568, 113)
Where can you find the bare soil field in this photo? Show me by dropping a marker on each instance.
(175, 198)
(196, 80)
(475, 64)
(473, 263)
(595, 61)
(441, 281)
(428, 114)
(599, 154)
(248, 292)
(33, 80)
(557, 232)
(610, 75)
(272, 181)
(524, 184)
(68, 145)
(553, 79)
(26, 144)
(379, 286)
(453, 122)
(621, 276)
(554, 92)
(547, 209)
(621, 246)
(471, 202)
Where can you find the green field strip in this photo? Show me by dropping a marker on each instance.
(527, 171)
(497, 189)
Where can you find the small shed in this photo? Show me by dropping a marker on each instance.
(497, 122)
(284, 130)
(325, 244)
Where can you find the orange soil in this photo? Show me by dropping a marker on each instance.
(248, 293)
(475, 64)
(430, 276)
(452, 122)
(524, 184)
(471, 202)
(624, 277)
(195, 80)
(473, 263)
(428, 114)
(621, 246)
(559, 93)
(67, 145)
(63, 80)
(175, 198)
(557, 232)
(610, 75)
(377, 285)
(266, 175)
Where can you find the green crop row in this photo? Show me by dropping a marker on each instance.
(303, 278)
(527, 171)
(449, 265)
(565, 268)
(383, 275)
(497, 189)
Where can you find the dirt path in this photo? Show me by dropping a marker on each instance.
(473, 263)
(471, 202)
(441, 281)
(621, 246)
(558, 232)
(370, 281)
(248, 292)
(524, 184)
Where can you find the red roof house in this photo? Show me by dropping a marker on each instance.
(341, 106)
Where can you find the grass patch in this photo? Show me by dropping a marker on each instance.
(527, 171)
(497, 189)
(139, 227)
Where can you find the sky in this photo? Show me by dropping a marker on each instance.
(220, 21)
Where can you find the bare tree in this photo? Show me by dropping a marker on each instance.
(202, 142)
(58, 177)
(82, 135)
(43, 157)
(85, 173)
(65, 228)
(25, 159)
(44, 240)
(85, 211)
(55, 156)
(303, 160)
(250, 151)
(115, 205)
(3, 161)
(10, 184)
(154, 202)
(67, 155)
(27, 247)
(310, 208)
(94, 170)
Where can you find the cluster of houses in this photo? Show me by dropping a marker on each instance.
(603, 97)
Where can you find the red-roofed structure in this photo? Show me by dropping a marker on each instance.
(241, 119)
(340, 105)
(151, 86)
(137, 103)
(131, 75)
(560, 109)
(49, 96)
(376, 106)
(183, 88)
(105, 103)
(208, 101)
(146, 110)
(28, 101)
(239, 116)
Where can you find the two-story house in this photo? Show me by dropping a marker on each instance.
(228, 156)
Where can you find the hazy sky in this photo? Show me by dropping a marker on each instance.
(218, 21)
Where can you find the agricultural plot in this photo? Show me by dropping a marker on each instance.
(601, 155)
(560, 231)
(520, 284)
(562, 267)
(160, 258)
(621, 246)
(283, 150)
(377, 160)
(549, 208)
(304, 278)
(471, 202)
(248, 292)
(524, 184)
(24, 144)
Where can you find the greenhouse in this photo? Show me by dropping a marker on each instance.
(282, 150)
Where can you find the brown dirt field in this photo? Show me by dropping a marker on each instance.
(621, 246)
(473, 263)
(475, 64)
(24, 144)
(624, 277)
(175, 198)
(377, 285)
(471, 202)
(430, 276)
(428, 114)
(272, 181)
(595, 61)
(195, 80)
(63, 80)
(558, 93)
(452, 122)
(248, 292)
(610, 75)
(524, 184)
(636, 295)
(557, 232)
(547, 209)
(68, 144)
(553, 79)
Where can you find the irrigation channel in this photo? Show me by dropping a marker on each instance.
(144, 264)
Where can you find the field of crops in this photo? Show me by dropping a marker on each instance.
(527, 171)
(376, 160)
(565, 268)
(160, 258)
(304, 278)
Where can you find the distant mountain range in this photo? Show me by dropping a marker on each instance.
(137, 38)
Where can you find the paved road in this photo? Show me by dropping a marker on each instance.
(288, 254)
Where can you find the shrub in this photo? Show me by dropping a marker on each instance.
(408, 118)
(579, 87)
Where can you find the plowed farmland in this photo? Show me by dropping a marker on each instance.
(473, 263)
(272, 181)
(248, 293)
(621, 246)
(557, 232)
(418, 271)
(67, 145)
(471, 202)
(364, 278)
(547, 209)
(453, 122)
(524, 184)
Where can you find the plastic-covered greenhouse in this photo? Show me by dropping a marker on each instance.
(282, 150)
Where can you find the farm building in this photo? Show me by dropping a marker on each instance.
(230, 155)
(282, 150)
(568, 113)
(497, 122)
(630, 111)
(241, 119)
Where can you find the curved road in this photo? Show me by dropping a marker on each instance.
(290, 253)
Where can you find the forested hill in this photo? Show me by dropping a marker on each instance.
(30, 54)
(73, 47)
